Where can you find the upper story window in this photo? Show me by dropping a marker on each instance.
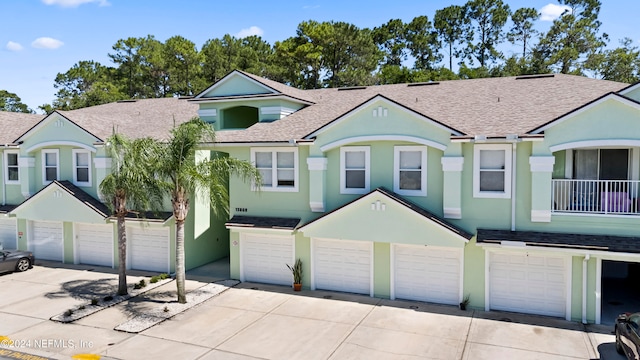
(492, 171)
(12, 170)
(81, 168)
(410, 170)
(278, 167)
(354, 169)
(50, 166)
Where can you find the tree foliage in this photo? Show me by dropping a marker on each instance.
(335, 54)
(12, 102)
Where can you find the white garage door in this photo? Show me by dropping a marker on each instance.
(148, 248)
(342, 265)
(94, 244)
(46, 240)
(8, 233)
(265, 259)
(528, 283)
(425, 273)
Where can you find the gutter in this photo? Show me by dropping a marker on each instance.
(584, 287)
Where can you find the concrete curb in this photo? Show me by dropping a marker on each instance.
(82, 311)
(171, 309)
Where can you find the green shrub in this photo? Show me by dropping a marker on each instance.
(108, 298)
(94, 301)
(68, 313)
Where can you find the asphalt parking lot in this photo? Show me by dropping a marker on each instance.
(257, 321)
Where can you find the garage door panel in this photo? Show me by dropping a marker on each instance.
(46, 240)
(149, 248)
(265, 259)
(8, 234)
(427, 274)
(342, 265)
(95, 244)
(528, 283)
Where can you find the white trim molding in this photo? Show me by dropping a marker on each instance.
(452, 213)
(506, 191)
(317, 163)
(61, 143)
(276, 110)
(540, 215)
(43, 157)
(7, 166)
(27, 162)
(542, 163)
(316, 206)
(367, 169)
(274, 168)
(422, 169)
(207, 112)
(370, 138)
(75, 166)
(102, 163)
(452, 163)
(596, 144)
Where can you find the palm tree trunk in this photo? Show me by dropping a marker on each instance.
(180, 210)
(180, 271)
(122, 257)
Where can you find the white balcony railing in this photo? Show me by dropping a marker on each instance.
(595, 196)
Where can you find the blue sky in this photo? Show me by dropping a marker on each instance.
(40, 38)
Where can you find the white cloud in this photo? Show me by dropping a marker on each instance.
(254, 30)
(13, 46)
(46, 43)
(75, 3)
(551, 12)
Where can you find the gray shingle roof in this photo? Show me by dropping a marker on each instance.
(139, 118)
(264, 222)
(490, 106)
(13, 124)
(626, 244)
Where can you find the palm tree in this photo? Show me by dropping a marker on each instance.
(187, 173)
(130, 187)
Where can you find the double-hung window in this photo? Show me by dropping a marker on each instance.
(278, 168)
(12, 169)
(492, 171)
(410, 170)
(354, 169)
(50, 167)
(81, 168)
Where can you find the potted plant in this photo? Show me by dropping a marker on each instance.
(464, 303)
(296, 270)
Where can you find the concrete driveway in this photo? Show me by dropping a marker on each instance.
(257, 321)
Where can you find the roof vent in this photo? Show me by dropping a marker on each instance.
(423, 83)
(539, 76)
(352, 88)
(127, 101)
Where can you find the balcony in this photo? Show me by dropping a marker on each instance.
(611, 197)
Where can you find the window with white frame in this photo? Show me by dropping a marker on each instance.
(410, 170)
(354, 169)
(492, 171)
(278, 168)
(81, 168)
(50, 168)
(12, 169)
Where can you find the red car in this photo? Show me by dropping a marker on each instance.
(627, 335)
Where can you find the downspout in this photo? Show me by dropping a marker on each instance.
(4, 186)
(513, 188)
(584, 288)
